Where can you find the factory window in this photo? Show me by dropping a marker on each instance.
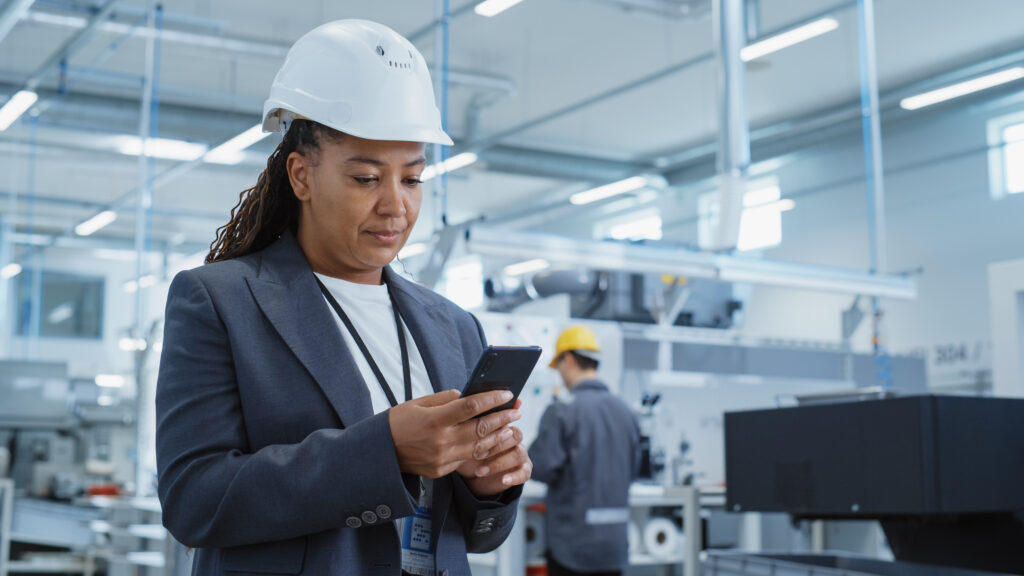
(71, 305)
(760, 223)
(1006, 155)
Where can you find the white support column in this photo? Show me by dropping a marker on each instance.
(1006, 312)
(734, 131)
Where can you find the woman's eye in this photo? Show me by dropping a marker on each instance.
(365, 179)
(413, 181)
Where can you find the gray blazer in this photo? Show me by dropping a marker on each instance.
(588, 452)
(269, 456)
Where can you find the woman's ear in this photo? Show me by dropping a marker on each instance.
(299, 173)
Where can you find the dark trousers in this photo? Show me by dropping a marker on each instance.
(556, 569)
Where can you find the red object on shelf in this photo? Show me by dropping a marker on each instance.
(540, 507)
(103, 490)
(538, 570)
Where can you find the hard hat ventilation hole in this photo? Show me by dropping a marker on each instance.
(380, 50)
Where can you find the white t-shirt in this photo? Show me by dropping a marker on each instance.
(369, 308)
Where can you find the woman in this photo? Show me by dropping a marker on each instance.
(309, 420)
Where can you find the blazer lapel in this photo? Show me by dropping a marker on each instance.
(437, 339)
(287, 293)
(434, 333)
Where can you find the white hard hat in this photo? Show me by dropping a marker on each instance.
(358, 77)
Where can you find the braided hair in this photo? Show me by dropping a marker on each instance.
(268, 209)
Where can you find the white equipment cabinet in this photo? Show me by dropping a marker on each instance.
(513, 557)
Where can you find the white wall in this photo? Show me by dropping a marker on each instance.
(941, 218)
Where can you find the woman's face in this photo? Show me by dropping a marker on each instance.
(360, 199)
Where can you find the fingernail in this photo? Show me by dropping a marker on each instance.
(482, 471)
(516, 415)
(481, 455)
(506, 433)
(507, 480)
(506, 395)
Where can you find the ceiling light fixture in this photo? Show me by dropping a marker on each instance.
(164, 148)
(788, 38)
(616, 188)
(10, 271)
(95, 223)
(412, 250)
(494, 7)
(109, 380)
(230, 152)
(962, 88)
(15, 107)
(450, 165)
(526, 267)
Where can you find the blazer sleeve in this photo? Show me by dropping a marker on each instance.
(215, 491)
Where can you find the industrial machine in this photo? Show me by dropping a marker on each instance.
(940, 473)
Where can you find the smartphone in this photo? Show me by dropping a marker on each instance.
(502, 368)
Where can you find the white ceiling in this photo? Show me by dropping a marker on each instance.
(555, 52)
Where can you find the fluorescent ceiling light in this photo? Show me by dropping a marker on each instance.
(230, 152)
(95, 223)
(131, 344)
(412, 250)
(164, 148)
(61, 313)
(449, 165)
(962, 88)
(146, 281)
(10, 271)
(493, 7)
(15, 107)
(788, 38)
(648, 228)
(609, 190)
(109, 380)
(526, 267)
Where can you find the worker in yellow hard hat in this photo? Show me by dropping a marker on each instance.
(588, 452)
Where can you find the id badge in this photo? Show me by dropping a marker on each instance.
(417, 551)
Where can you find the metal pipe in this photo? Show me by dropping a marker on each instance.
(607, 255)
(753, 19)
(440, 73)
(6, 259)
(734, 133)
(36, 281)
(589, 101)
(873, 176)
(421, 33)
(144, 203)
(71, 45)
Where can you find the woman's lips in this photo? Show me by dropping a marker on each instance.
(386, 236)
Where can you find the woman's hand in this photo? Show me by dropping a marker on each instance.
(435, 435)
(507, 464)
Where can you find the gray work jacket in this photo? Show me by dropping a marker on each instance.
(588, 452)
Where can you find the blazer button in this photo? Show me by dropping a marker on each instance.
(369, 517)
(383, 512)
(353, 522)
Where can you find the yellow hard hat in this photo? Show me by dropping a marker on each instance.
(576, 339)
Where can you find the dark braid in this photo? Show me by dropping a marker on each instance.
(269, 208)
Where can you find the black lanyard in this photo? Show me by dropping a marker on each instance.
(406, 374)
